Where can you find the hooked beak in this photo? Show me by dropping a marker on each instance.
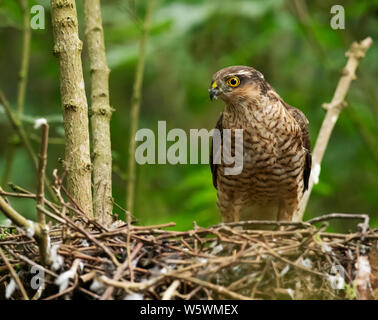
(214, 91)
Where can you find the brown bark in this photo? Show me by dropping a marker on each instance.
(100, 113)
(68, 49)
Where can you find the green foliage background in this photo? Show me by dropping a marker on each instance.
(291, 42)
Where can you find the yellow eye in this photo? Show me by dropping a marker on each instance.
(233, 81)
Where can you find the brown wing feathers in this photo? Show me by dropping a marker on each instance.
(302, 121)
(213, 166)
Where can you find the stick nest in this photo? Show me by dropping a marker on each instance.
(226, 261)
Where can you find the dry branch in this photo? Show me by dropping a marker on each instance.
(171, 291)
(68, 49)
(44, 242)
(100, 113)
(18, 127)
(222, 261)
(17, 218)
(14, 275)
(355, 53)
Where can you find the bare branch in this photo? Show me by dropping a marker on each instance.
(17, 218)
(44, 243)
(14, 275)
(355, 53)
(171, 291)
(18, 127)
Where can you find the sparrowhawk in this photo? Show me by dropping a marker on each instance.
(276, 149)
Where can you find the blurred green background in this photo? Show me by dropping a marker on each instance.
(290, 42)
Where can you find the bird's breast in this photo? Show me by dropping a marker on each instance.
(273, 157)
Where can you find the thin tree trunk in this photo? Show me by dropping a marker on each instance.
(135, 106)
(22, 83)
(68, 49)
(25, 59)
(100, 113)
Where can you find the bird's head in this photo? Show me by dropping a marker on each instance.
(237, 83)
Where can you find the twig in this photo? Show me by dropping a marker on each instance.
(128, 285)
(219, 289)
(51, 215)
(355, 53)
(364, 226)
(18, 127)
(17, 188)
(59, 294)
(17, 195)
(90, 293)
(44, 240)
(157, 226)
(262, 222)
(90, 237)
(14, 275)
(294, 264)
(108, 292)
(170, 292)
(330, 216)
(128, 238)
(30, 262)
(33, 196)
(18, 219)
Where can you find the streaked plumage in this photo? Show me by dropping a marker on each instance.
(276, 149)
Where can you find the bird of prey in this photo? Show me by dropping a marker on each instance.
(275, 149)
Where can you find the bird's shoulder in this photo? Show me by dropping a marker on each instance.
(302, 121)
